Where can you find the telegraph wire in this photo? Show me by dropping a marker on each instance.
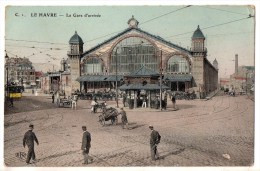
(35, 41)
(140, 23)
(165, 14)
(106, 34)
(250, 16)
(223, 10)
(221, 24)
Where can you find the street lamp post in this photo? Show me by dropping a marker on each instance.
(116, 80)
(6, 67)
(161, 83)
(246, 81)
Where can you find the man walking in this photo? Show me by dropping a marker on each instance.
(174, 101)
(93, 105)
(86, 139)
(123, 118)
(52, 97)
(144, 102)
(154, 141)
(74, 101)
(29, 138)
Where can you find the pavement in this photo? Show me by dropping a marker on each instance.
(216, 132)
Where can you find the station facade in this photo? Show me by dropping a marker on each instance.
(108, 63)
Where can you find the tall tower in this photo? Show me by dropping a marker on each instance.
(198, 44)
(215, 64)
(236, 64)
(199, 53)
(74, 55)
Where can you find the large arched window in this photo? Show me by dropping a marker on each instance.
(178, 63)
(93, 65)
(131, 53)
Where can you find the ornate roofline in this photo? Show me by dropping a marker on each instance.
(140, 31)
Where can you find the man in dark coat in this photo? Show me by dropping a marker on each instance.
(52, 96)
(86, 139)
(29, 138)
(174, 101)
(154, 141)
(123, 118)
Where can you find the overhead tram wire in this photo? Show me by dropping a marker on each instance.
(164, 14)
(106, 34)
(206, 6)
(147, 22)
(141, 23)
(250, 16)
(35, 41)
(233, 21)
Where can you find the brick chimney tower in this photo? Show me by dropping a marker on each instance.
(236, 64)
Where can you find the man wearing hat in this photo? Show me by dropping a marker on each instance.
(29, 138)
(123, 118)
(154, 141)
(86, 139)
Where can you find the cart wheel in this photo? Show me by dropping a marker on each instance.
(102, 120)
(113, 120)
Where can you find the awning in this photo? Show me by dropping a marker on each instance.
(98, 78)
(140, 86)
(178, 77)
(113, 78)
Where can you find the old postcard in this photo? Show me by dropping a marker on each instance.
(129, 86)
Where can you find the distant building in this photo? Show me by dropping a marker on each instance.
(38, 75)
(224, 82)
(243, 79)
(56, 81)
(20, 71)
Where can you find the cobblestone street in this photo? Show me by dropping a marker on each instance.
(200, 133)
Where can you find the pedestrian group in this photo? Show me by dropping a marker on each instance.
(30, 137)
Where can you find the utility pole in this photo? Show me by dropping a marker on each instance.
(6, 67)
(161, 82)
(116, 81)
(246, 81)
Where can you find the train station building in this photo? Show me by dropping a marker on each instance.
(109, 64)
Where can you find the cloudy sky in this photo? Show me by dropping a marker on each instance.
(44, 39)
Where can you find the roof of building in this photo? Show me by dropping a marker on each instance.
(178, 77)
(158, 38)
(76, 39)
(28, 65)
(250, 67)
(97, 78)
(140, 86)
(215, 61)
(198, 34)
(143, 71)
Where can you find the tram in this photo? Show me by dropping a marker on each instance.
(14, 91)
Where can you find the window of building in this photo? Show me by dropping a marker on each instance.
(177, 64)
(131, 53)
(93, 65)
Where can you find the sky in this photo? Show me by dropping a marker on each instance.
(227, 29)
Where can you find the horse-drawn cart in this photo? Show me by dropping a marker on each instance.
(108, 114)
(64, 102)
